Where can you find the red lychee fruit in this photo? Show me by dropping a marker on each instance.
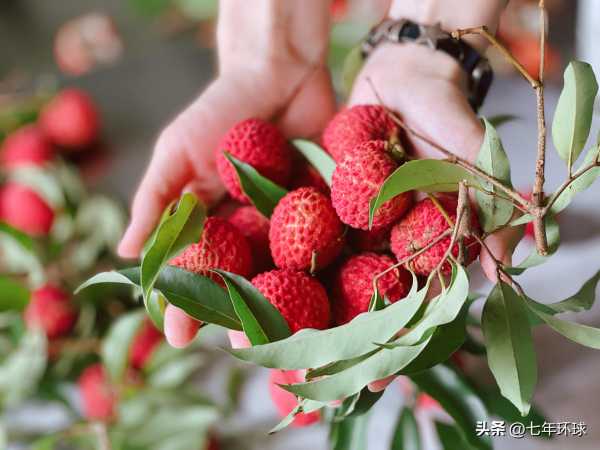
(305, 231)
(305, 175)
(98, 395)
(222, 246)
(71, 120)
(353, 285)
(255, 227)
(285, 401)
(422, 225)
(529, 232)
(300, 298)
(147, 339)
(23, 208)
(26, 146)
(356, 125)
(51, 310)
(358, 178)
(259, 144)
(377, 240)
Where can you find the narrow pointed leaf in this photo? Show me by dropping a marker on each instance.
(14, 296)
(534, 259)
(582, 334)
(450, 437)
(509, 345)
(406, 434)
(262, 192)
(349, 434)
(117, 343)
(317, 157)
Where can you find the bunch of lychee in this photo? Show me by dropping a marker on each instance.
(317, 258)
(68, 124)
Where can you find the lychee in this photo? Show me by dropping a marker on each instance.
(305, 231)
(421, 226)
(71, 120)
(26, 146)
(285, 401)
(376, 240)
(144, 343)
(222, 246)
(23, 208)
(98, 395)
(305, 175)
(356, 125)
(353, 285)
(255, 227)
(51, 310)
(300, 298)
(259, 144)
(358, 178)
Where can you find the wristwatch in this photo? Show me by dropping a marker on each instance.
(476, 66)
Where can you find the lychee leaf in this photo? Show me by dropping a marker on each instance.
(406, 433)
(43, 182)
(199, 296)
(535, 259)
(353, 64)
(450, 436)
(14, 295)
(315, 348)
(262, 192)
(348, 382)
(349, 434)
(509, 345)
(261, 321)
(426, 175)
(117, 343)
(453, 392)
(179, 229)
(501, 119)
(573, 115)
(317, 157)
(494, 212)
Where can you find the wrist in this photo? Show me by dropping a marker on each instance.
(452, 14)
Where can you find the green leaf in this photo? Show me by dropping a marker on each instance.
(406, 434)
(582, 334)
(155, 306)
(583, 300)
(535, 259)
(501, 119)
(19, 254)
(351, 68)
(14, 296)
(173, 373)
(176, 232)
(450, 436)
(340, 343)
(446, 340)
(458, 399)
(262, 192)
(116, 344)
(197, 295)
(494, 212)
(574, 111)
(349, 434)
(43, 182)
(427, 175)
(318, 157)
(366, 400)
(377, 302)
(261, 321)
(350, 381)
(509, 344)
(583, 182)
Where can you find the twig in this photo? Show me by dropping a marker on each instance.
(483, 31)
(101, 433)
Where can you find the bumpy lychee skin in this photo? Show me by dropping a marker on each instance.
(422, 225)
(51, 310)
(305, 175)
(26, 146)
(305, 231)
(357, 179)
(285, 401)
(255, 227)
(353, 285)
(259, 144)
(357, 125)
(71, 120)
(144, 343)
(98, 396)
(376, 240)
(23, 208)
(222, 246)
(300, 298)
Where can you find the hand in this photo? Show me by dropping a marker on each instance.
(272, 65)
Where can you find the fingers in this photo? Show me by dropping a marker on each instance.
(169, 171)
(380, 385)
(501, 244)
(238, 339)
(180, 329)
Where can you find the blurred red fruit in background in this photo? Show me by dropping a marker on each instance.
(26, 146)
(144, 343)
(285, 401)
(71, 120)
(98, 396)
(51, 310)
(23, 208)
